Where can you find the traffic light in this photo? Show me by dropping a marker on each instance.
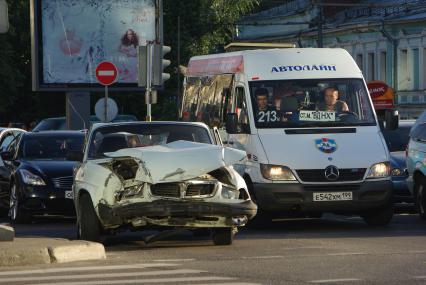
(4, 18)
(160, 64)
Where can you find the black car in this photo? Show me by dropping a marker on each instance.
(37, 175)
(397, 141)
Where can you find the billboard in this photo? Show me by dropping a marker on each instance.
(71, 37)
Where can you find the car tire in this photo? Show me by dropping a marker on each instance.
(88, 225)
(420, 197)
(16, 214)
(223, 236)
(380, 217)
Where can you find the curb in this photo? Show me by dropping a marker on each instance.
(23, 251)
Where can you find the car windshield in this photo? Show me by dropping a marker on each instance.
(115, 137)
(397, 140)
(51, 124)
(55, 147)
(311, 103)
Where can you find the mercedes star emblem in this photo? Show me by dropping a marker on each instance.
(331, 173)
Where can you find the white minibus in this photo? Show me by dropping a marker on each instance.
(308, 126)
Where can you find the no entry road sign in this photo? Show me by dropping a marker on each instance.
(106, 73)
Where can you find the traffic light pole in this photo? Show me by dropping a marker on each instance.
(148, 83)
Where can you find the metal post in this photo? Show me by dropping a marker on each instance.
(106, 105)
(148, 83)
(320, 21)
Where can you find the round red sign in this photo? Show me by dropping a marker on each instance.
(106, 73)
(377, 89)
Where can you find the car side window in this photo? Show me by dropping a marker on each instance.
(418, 133)
(6, 140)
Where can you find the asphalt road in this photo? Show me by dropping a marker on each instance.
(332, 250)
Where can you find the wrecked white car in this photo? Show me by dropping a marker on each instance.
(163, 175)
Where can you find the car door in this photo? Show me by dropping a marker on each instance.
(6, 170)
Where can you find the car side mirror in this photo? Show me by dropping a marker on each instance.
(231, 123)
(391, 119)
(75, 155)
(6, 155)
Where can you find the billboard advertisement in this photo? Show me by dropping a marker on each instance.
(71, 37)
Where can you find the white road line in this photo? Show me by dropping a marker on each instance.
(174, 260)
(419, 277)
(347, 253)
(143, 281)
(263, 257)
(87, 268)
(229, 283)
(102, 275)
(335, 280)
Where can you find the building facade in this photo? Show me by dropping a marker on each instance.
(386, 38)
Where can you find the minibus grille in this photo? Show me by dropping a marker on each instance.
(318, 175)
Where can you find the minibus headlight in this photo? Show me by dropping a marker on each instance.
(379, 170)
(276, 172)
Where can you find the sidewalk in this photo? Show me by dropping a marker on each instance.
(41, 250)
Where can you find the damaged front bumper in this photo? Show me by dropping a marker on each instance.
(178, 213)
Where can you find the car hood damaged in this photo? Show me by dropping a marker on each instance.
(172, 162)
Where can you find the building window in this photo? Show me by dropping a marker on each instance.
(404, 77)
(383, 66)
(359, 61)
(416, 69)
(371, 70)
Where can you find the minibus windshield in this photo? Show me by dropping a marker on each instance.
(311, 103)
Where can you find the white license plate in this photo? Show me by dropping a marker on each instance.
(332, 196)
(69, 195)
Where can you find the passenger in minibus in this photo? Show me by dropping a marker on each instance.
(331, 102)
(265, 113)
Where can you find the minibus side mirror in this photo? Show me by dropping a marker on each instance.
(391, 119)
(231, 123)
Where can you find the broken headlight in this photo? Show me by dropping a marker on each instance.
(229, 192)
(129, 192)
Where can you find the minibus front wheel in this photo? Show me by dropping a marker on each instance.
(380, 217)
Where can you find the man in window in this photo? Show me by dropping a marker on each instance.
(331, 102)
(265, 113)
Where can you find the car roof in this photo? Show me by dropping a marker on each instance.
(55, 133)
(195, 124)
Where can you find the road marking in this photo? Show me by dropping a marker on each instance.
(335, 280)
(86, 268)
(229, 283)
(102, 275)
(347, 253)
(143, 281)
(419, 277)
(174, 260)
(263, 257)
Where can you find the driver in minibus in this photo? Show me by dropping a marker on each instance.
(331, 102)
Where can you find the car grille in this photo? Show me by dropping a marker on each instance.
(166, 189)
(63, 182)
(199, 190)
(318, 175)
(190, 190)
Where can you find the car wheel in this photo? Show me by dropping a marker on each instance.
(16, 214)
(420, 193)
(88, 224)
(380, 217)
(223, 236)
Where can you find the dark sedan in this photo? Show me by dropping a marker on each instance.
(37, 175)
(397, 141)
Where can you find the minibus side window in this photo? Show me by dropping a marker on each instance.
(241, 108)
